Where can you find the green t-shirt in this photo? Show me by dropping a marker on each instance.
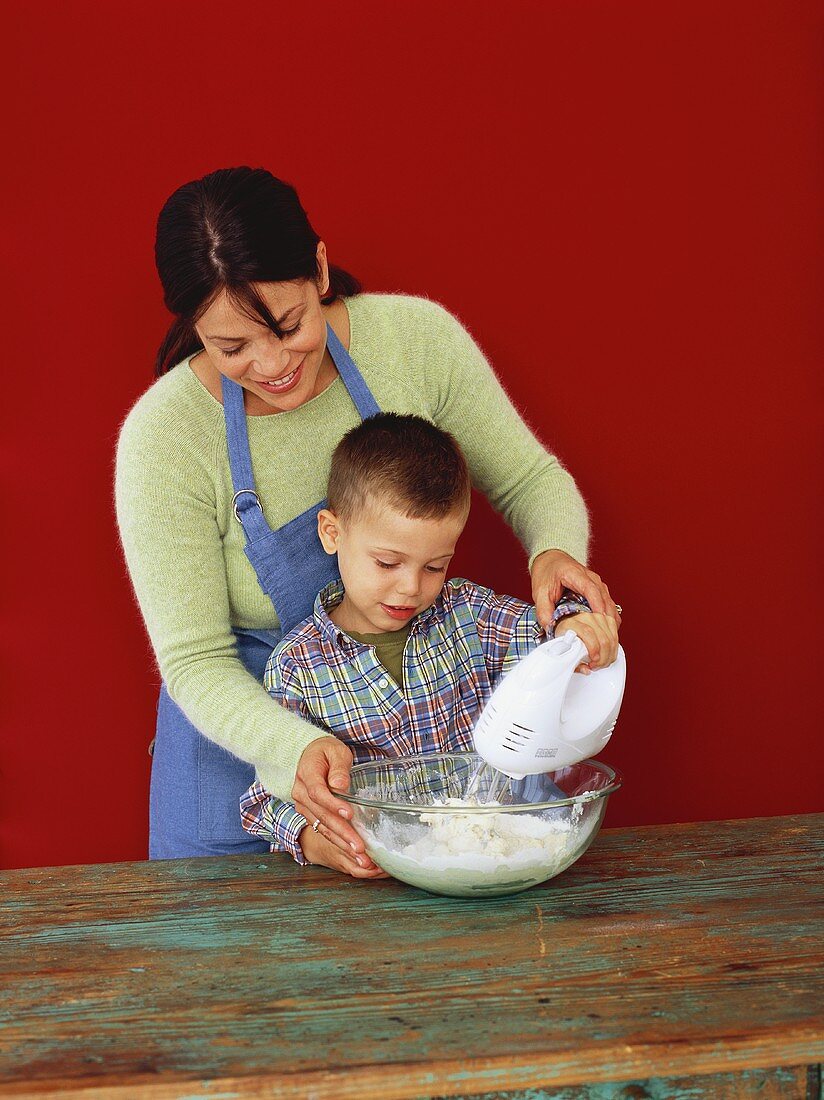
(389, 649)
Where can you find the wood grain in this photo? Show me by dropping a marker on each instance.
(666, 952)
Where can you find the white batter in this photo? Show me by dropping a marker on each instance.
(471, 854)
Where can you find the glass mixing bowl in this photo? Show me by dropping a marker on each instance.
(534, 829)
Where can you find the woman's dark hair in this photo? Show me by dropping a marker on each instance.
(234, 227)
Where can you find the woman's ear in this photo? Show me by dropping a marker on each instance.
(328, 530)
(322, 265)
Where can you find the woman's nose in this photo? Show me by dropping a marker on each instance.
(274, 359)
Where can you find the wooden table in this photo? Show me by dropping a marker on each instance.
(670, 961)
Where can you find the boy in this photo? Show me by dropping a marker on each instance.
(396, 660)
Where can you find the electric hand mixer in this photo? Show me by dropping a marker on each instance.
(542, 716)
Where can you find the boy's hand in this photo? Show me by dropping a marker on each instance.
(599, 633)
(325, 764)
(326, 853)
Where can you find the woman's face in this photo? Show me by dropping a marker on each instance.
(279, 374)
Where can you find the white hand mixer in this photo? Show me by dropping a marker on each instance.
(542, 716)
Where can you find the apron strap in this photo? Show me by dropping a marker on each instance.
(360, 393)
(245, 503)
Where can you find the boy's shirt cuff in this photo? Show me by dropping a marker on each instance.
(526, 632)
(273, 820)
(570, 603)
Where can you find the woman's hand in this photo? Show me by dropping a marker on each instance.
(324, 852)
(553, 571)
(325, 764)
(599, 633)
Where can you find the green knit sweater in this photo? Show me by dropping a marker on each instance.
(184, 549)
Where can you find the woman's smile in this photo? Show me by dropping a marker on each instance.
(285, 382)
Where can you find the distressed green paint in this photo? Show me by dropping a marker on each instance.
(782, 1083)
(667, 950)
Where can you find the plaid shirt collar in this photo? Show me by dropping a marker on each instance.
(338, 647)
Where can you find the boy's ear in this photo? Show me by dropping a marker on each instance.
(328, 530)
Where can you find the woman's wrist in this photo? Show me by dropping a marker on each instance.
(278, 775)
(545, 554)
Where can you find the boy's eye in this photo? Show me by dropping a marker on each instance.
(436, 568)
(386, 564)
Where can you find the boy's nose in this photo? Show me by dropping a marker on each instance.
(409, 586)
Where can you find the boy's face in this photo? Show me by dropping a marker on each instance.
(393, 567)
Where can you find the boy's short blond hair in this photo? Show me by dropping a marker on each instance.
(401, 461)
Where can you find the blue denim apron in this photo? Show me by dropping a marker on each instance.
(196, 785)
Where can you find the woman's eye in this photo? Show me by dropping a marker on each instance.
(436, 568)
(386, 564)
(229, 352)
(290, 331)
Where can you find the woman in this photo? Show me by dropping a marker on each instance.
(222, 466)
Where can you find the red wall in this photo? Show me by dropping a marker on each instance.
(621, 201)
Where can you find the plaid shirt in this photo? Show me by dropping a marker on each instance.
(456, 652)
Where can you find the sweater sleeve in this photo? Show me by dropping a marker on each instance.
(521, 479)
(166, 511)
